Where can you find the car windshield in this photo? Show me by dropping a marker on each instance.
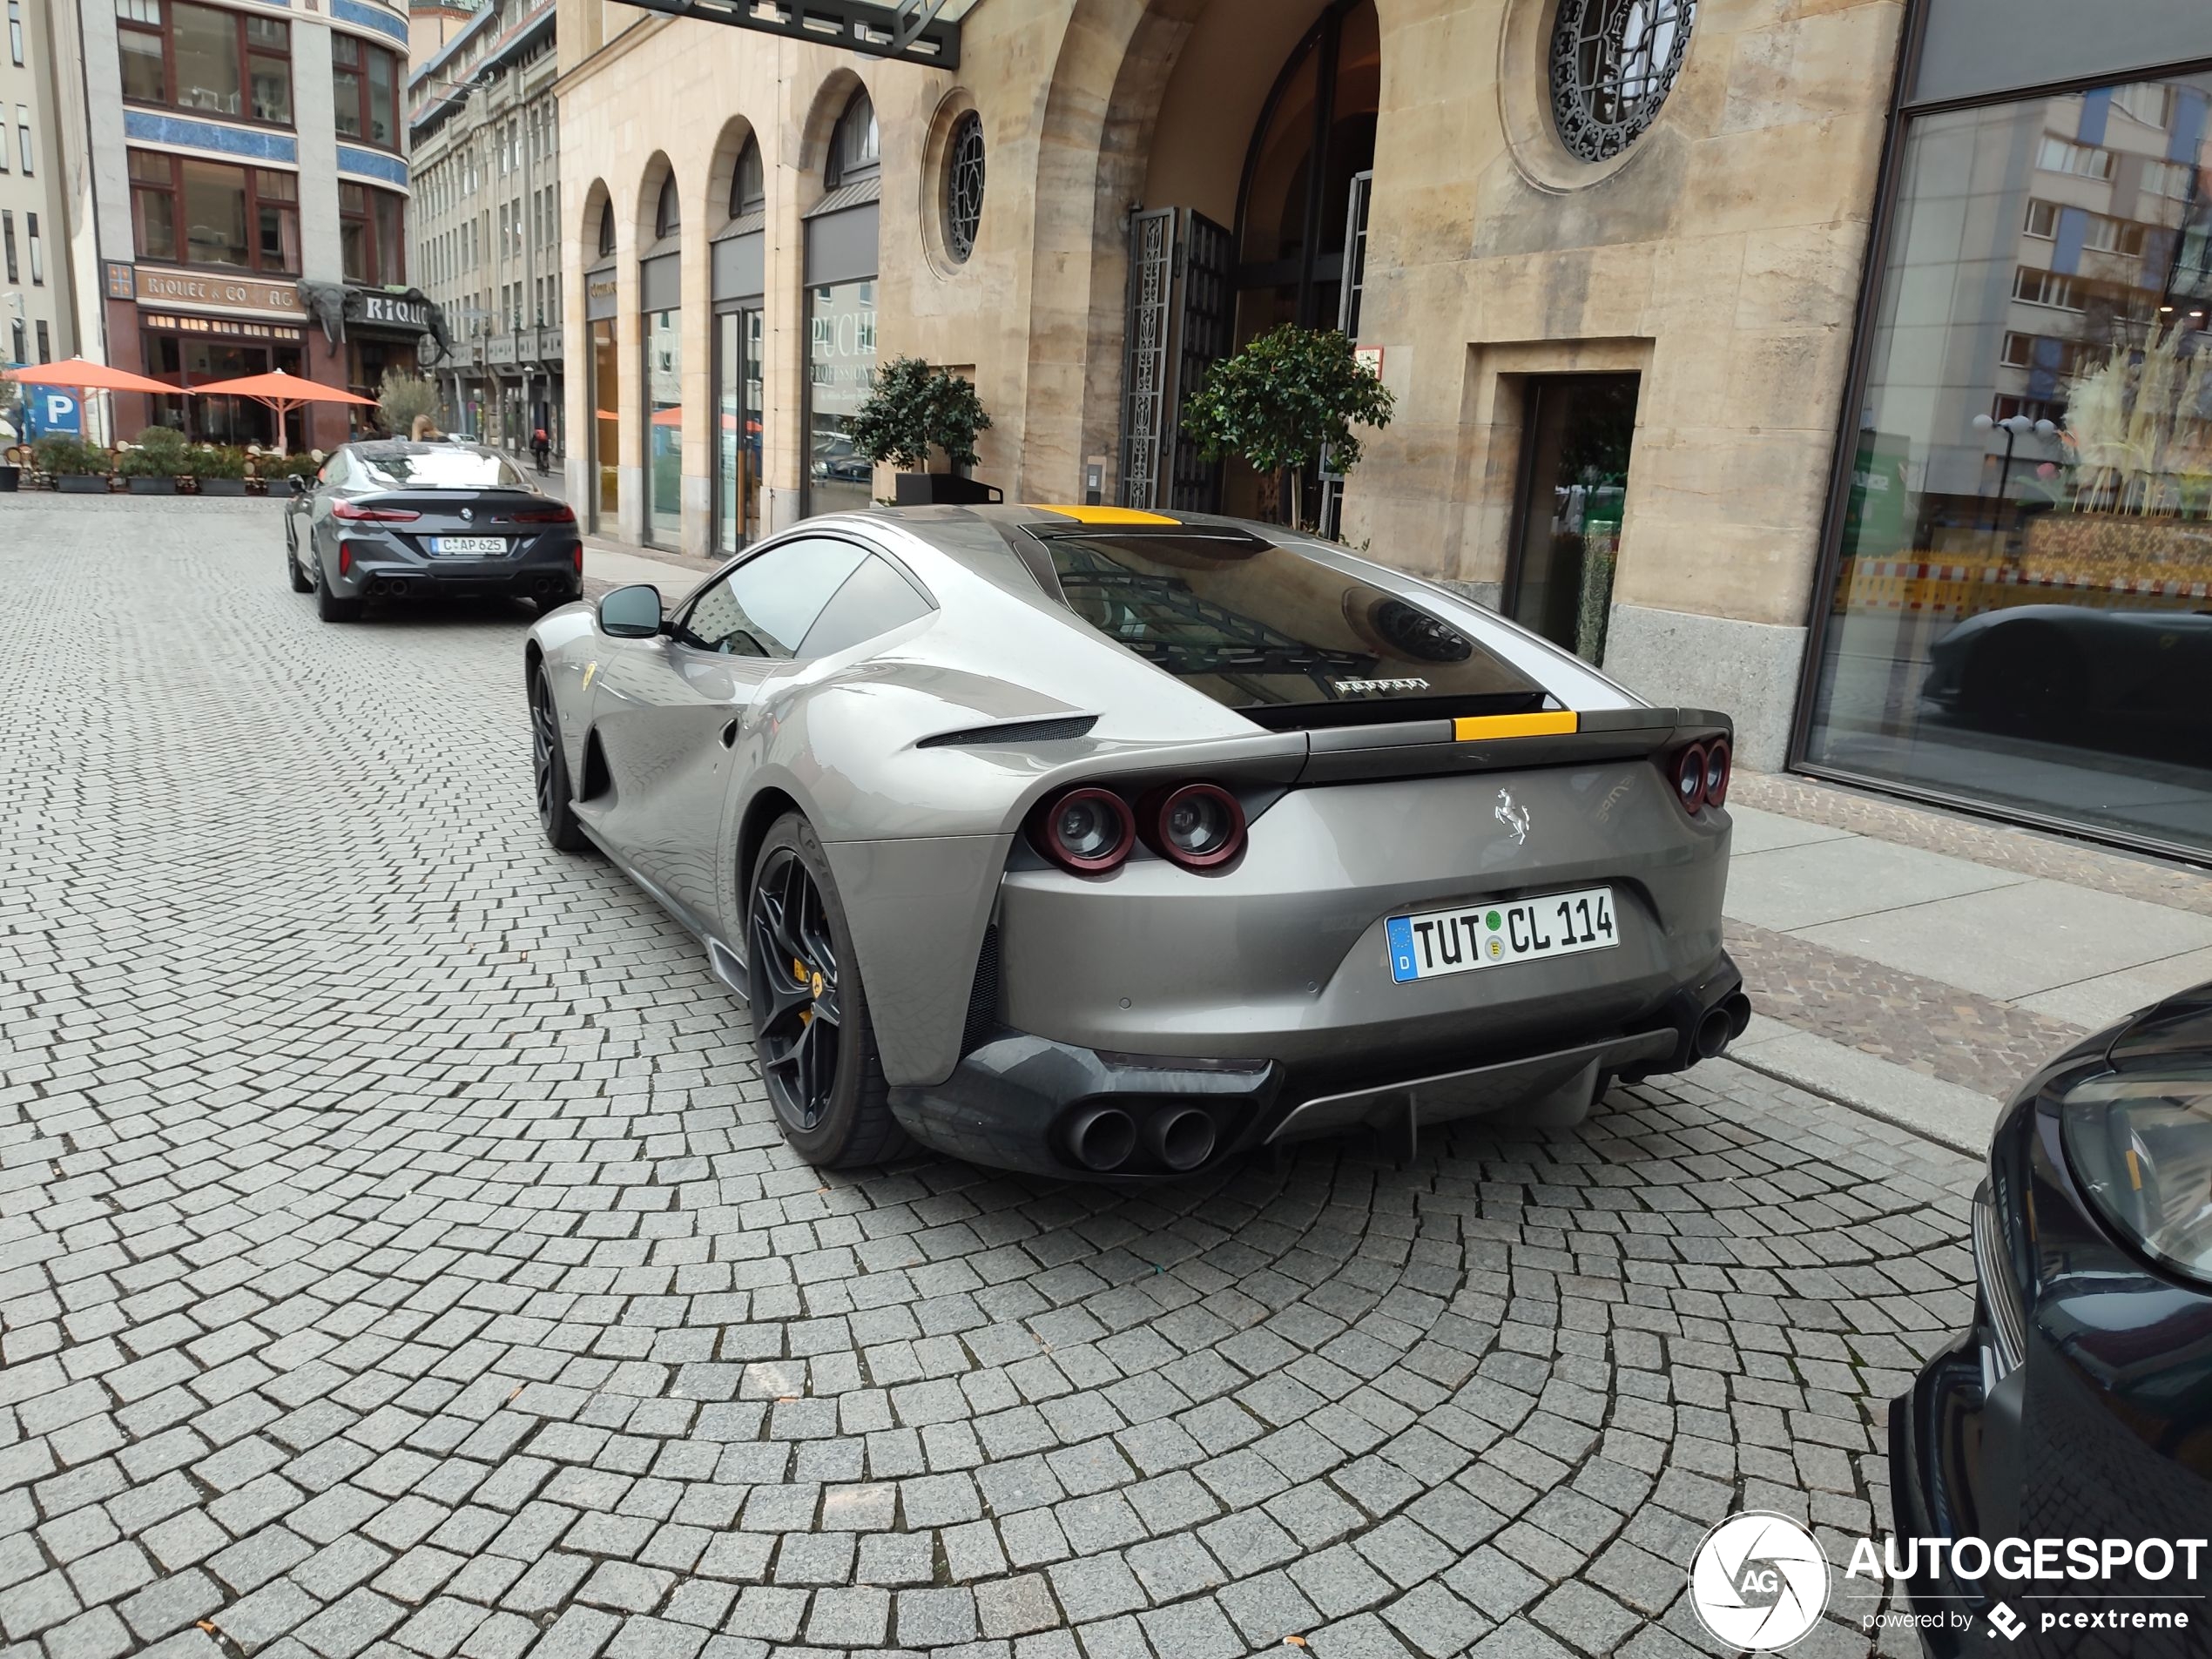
(435, 468)
(1279, 638)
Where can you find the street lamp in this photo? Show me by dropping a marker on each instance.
(2014, 426)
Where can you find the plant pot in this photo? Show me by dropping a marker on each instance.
(942, 489)
(10, 477)
(152, 486)
(222, 486)
(81, 483)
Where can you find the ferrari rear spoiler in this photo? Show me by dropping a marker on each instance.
(1502, 742)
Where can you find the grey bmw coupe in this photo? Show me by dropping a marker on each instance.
(1095, 842)
(394, 519)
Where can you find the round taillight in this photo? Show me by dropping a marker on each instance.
(1690, 776)
(1718, 768)
(1198, 826)
(1087, 830)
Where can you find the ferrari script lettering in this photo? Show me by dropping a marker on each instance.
(1354, 688)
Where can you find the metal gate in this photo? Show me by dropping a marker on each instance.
(1180, 308)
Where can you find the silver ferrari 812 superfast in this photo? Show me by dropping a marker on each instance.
(1095, 842)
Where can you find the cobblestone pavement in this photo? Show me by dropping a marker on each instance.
(396, 1255)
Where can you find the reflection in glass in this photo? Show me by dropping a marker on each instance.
(664, 428)
(606, 424)
(1574, 488)
(841, 362)
(2021, 614)
(737, 401)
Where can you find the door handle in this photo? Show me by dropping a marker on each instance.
(730, 734)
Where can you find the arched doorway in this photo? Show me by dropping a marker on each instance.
(1255, 215)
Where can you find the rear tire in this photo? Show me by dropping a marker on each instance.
(828, 1093)
(549, 771)
(329, 606)
(297, 576)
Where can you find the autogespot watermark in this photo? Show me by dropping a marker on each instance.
(1759, 1582)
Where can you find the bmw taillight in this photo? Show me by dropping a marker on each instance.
(1688, 774)
(353, 513)
(1719, 766)
(558, 514)
(1086, 830)
(1197, 825)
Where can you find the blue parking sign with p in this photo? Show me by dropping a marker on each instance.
(52, 411)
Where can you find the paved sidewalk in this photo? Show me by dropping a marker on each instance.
(1923, 986)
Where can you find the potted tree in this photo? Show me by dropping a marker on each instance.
(911, 410)
(77, 468)
(402, 399)
(154, 463)
(1283, 402)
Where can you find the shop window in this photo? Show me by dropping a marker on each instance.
(364, 89)
(2011, 613)
(205, 59)
(371, 236)
(186, 210)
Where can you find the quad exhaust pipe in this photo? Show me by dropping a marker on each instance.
(1181, 1139)
(1103, 1138)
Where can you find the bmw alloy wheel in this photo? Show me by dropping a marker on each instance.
(794, 980)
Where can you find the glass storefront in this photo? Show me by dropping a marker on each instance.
(663, 428)
(841, 364)
(738, 405)
(606, 425)
(2020, 616)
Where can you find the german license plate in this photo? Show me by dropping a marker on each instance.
(469, 547)
(1438, 943)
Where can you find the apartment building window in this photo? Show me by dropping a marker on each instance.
(211, 214)
(371, 237)
(7, 239)
(45, 343)
(365, 91)
(37, 251)
(16, 355)
(15, 31)
(22, 136)
(2082, 160)
(2046, 288)
(2100, 234)
(206, 60)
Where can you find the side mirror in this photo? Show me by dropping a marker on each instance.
(298, 485)
(632, 612)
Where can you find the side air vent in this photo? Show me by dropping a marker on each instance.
(1073, 726)
(983, 995)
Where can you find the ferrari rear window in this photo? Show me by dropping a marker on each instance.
(1277, 637)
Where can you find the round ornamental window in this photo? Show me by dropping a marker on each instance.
(964, 185)
(1613, 63)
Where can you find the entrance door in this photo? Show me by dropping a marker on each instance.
(1567, 521)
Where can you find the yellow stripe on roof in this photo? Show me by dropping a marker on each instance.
(1471, 728)
(1104, 515)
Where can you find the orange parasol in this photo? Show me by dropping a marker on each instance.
(78, 375)
(282, 393)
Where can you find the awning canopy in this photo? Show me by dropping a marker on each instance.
(913, 31)
(75, 375)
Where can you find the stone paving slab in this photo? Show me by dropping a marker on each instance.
(397, 1257)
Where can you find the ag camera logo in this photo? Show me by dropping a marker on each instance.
(1758, 1581)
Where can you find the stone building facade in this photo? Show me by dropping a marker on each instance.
(1715, 258)
(485, 137)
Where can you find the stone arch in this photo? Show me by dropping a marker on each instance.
(810, 146)
(659, 170)
(597, 200)
(722, 164)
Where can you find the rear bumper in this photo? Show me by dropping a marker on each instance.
(1021, 1102)
(546, 569)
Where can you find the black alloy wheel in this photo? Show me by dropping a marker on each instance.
(549, 770)
(799, 1021)
(811, 1033)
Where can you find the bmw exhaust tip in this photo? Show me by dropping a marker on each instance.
(1181, 1139)
(1103, 1138)
(1715, 1030)
(1739, 1013)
